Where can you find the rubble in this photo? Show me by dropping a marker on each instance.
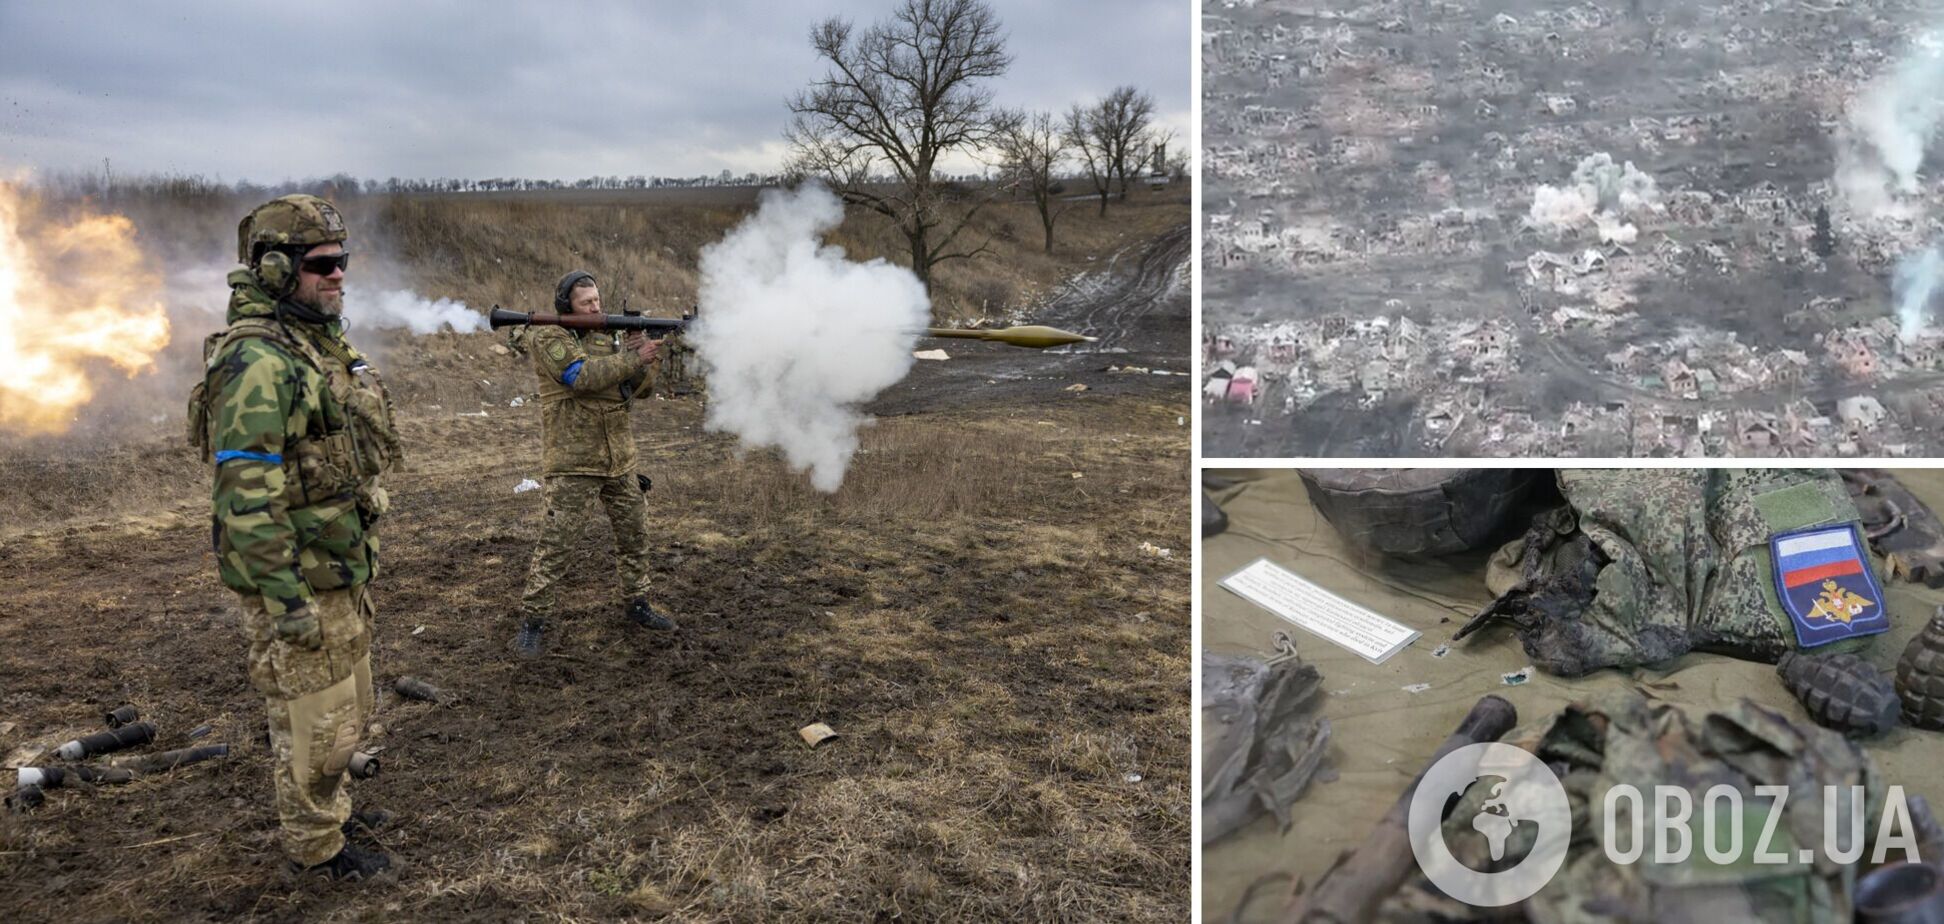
(1682, 274)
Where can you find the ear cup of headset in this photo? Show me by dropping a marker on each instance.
(277, 273)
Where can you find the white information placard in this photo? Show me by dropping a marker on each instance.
(1282, 592)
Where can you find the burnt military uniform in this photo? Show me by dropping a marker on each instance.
(1644, 565)
(587, 383)
(1781, 771)
(298, 428)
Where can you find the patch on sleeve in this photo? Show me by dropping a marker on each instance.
(1823, 578)
(557, 351)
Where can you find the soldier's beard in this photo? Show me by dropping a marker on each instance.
(330, 304)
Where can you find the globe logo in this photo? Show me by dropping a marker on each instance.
(1494, 819)
(1523, 802)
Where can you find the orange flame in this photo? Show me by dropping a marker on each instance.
(69, 294)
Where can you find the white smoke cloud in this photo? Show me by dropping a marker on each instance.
(1890, 127)
(794, 337)
(201, 292)
(197, 291)
(398, 308)
(1600, 193)
(1916, 282)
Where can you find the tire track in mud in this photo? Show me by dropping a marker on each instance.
(1111, 303)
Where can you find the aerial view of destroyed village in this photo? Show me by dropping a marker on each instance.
(1636, 228)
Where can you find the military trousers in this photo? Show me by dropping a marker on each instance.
(318, 703)
(569, 501)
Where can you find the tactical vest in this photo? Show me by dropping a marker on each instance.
(360, 440)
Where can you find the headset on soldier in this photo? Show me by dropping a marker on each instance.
(274, 249)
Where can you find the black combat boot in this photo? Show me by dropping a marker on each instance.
(530, 642)
(366, 821)
(643, 615)
(352, 864)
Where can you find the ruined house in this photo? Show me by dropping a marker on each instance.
(1854, 357)
(1758, 432)
(1679, 379)
(1282, 350)
(1375, 378)
(1861, 413)
(1787, 368)
(1705, 383)
(1242, 387)
(1405, 338)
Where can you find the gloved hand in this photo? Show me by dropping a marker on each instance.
(300, 627)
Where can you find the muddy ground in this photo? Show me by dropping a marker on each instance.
(984, 613)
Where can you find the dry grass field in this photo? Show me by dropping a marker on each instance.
(984, 612)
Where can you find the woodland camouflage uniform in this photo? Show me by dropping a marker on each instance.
(587, 383)
(298, 428)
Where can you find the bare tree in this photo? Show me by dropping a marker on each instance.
(1126, 114)
(1032, 147)
(903, 94)
(1086, 133)
(1111, 137)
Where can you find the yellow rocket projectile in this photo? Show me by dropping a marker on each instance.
(1035, 336)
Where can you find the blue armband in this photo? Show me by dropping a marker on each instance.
(226, 455)
(573, 372)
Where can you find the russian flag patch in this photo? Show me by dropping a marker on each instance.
(1824, 580)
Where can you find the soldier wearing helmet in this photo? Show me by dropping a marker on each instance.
(587, 382)
(297, 428)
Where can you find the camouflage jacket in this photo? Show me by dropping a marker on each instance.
(1644, 565)
(587, 380)
(1622, 738)
(298, 428)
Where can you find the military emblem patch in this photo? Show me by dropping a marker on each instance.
(1824, 580)
(557, 350)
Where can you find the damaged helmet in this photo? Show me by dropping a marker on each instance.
(1417, 512)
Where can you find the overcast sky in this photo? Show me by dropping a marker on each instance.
(274, 91)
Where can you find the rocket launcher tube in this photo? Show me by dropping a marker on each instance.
(127, 770)
(653, 327)
(56, 777)
(363, 766)
(127, 736)
(169, 760)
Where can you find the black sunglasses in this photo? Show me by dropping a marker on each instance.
(325, 266)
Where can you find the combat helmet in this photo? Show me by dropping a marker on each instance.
(273, 233)
(1417, 512)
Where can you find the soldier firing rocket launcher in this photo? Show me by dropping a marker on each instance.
(1032, 336)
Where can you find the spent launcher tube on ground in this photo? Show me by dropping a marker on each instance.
(115, 739)
(1032, 336)
(1350, 891)
(123, 772)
